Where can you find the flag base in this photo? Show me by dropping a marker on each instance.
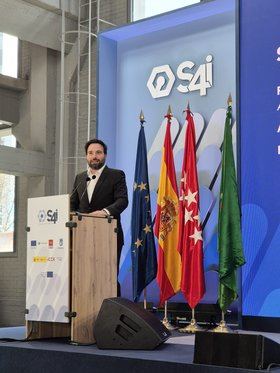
(167, 324)
(222, 328)
(192, 328)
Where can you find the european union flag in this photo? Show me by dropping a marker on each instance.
(143, 250)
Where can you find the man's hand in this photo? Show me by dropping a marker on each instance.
(99, 214)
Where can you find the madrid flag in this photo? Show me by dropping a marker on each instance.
(166, 223)
(190, 231)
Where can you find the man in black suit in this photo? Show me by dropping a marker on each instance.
(100, 190)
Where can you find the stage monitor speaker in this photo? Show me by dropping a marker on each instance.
(124, 325)
(248, 351)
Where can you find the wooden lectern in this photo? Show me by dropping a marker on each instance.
(94, 272)
(93, 278)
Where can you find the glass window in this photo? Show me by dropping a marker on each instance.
(7, 203)
(147, 8)
(8, 55)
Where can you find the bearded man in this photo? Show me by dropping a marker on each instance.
(100, 191)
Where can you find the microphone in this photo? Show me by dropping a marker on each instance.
(88, 179)
(74, 190)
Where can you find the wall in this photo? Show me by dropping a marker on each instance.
(37, 130)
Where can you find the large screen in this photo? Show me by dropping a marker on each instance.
(260, 155)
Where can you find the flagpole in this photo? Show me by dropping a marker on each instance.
(222, 327)
(143, 249)
(167, 225)
(190, 231)
(142, 121)
(165, 320)
(229, 227)
(193, 327)
(145, 298)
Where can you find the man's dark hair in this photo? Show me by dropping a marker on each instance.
(96, 141)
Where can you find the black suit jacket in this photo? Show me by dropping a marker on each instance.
(110, 192)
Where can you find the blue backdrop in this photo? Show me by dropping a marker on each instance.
(260, 161)
(127, 56)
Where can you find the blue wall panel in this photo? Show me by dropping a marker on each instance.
(260, 161)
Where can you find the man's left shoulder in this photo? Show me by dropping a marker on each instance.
(115, 171)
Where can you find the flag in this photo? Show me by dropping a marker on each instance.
(190, 231)
(229, 231)
(143, 250)
(166, 223)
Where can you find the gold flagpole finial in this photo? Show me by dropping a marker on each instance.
(141, 117)
(229, 100)
(169, 112)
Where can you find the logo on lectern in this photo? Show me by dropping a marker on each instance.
(41, 216)
(48, 217)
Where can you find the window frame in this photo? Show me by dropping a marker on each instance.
(14, 253)
(131, 10)
(17, 56)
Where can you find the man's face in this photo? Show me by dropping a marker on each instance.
(95, 156)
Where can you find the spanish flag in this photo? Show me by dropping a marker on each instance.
(166, 223)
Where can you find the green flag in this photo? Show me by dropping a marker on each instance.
(229, 231)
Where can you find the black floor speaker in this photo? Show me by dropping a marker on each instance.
(249, 351)
(124, 325)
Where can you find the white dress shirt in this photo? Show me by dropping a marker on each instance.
(92, 182)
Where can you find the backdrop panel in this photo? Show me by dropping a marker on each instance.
(260, 155)
(152, 58)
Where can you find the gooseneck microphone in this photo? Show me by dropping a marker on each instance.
(88, 179)
(74, 190)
